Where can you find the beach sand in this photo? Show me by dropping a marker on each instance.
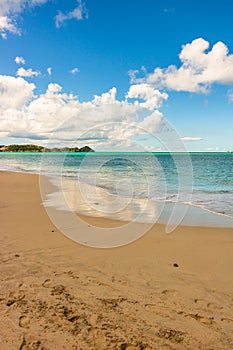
(160, 292)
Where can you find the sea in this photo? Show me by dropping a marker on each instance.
(111, 182)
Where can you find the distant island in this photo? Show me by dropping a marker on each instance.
(35, 148)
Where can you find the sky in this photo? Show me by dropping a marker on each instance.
(117, 75)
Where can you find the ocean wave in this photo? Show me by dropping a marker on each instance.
(218, 191)
(212, 194)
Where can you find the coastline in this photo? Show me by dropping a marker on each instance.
(55, 292)
(84, 199)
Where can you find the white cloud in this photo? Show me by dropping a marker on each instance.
(20, 60)
(212, 149)
(133, 75)
(21, 72)
(78, 13)
(7, 25)
(74, 71)
(152, 123)
(153, 98)
(189, 138)
(9, 9)
(14, 93)
(63, 118)
(199, 69)
(17, 6)
(49, 70)
(106, 98)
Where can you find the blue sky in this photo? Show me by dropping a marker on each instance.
(73, 50)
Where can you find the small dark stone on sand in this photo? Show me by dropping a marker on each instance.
(17, 255)
(175, 265)
(52, 231)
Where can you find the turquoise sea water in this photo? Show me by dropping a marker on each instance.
(199, 179)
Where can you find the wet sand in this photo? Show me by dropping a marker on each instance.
(159, 292)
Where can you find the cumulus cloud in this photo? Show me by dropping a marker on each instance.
(190, 138)
(9, 9)
(14, 93)
(153, 98)
(152, 123)
(106, 98)
(29, 73)
(20, 60)
(79, 12)
(104, 121)
(200, 68)
(74, 71)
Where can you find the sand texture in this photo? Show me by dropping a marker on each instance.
(168, 292)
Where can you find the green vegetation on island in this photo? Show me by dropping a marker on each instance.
(36, 148)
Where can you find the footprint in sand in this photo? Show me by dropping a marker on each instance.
(14, 297)
(227, 320)
(24, 322)
(68, 274)
(60, 274)
(202, 319)
(47, 283)
(211, 306)
(207, 320)
(199, 301)
(29, 342)
(214, 306)
(169, 292)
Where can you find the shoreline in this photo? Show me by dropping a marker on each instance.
(189, 213)
(212, 218)
(159, 292)
(218, 200)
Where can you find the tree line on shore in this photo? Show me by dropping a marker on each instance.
(36, 148)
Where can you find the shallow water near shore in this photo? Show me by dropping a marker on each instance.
(96, 202)
(140, 182)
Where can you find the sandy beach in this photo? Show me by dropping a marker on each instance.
(168, 292)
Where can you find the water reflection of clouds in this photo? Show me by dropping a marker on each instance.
(115, 207)
(138, 210)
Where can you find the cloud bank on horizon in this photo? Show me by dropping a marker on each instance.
(30, 115)
(25, 114)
